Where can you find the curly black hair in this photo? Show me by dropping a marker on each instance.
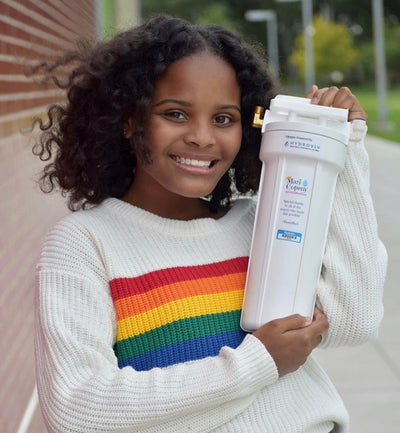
(91, 159)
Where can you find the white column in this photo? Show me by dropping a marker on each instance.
(380, 60)
(128, 14)
(307, 12)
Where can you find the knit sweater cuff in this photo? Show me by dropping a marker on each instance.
(358, 131)
(263, 371)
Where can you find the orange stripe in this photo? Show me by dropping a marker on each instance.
(178, 310)
(137, 304)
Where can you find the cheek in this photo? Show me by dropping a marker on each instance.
(234, 143)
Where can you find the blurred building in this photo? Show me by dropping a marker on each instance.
(32, 31)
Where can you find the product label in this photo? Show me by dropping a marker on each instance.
(295, 201)
(286, 235)
(301, 142)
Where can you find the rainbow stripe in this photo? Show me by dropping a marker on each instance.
(178, 314)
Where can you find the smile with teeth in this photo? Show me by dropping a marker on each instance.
(192, 162)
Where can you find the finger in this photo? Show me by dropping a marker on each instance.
(340, 98)
(343, 98)
(309, 337)
(346, 99)
(316, 329)
(294, 321)
(327, 96)
(356, 110)
(320, 323)
(318, 95)
(317, 313)
(312, 91)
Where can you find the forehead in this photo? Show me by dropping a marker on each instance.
(199, 74)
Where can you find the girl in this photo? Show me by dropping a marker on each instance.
(139, 297)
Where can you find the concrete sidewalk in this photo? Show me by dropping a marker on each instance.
(368, 377)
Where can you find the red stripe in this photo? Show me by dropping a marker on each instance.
(124, 287)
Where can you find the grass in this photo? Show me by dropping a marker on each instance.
(368, 99)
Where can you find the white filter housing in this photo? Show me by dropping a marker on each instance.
(303, 149)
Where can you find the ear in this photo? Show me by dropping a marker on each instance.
(129, 128)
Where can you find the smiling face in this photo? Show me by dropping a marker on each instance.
(193, 133)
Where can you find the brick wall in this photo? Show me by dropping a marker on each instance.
(30, 30)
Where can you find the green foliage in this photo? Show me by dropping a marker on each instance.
(365, 69)
(393, 53)
(333, 49)
(219, 13)
(202, 12)
(364, 72)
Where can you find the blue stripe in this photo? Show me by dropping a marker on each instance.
(190, 350)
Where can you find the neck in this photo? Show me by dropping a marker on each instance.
(171, 206)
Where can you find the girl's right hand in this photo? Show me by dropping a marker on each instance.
(290, 340)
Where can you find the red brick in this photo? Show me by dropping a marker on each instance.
(26, 214)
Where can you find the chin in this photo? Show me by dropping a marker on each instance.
(192, 192)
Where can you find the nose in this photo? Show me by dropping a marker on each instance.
(200, 133)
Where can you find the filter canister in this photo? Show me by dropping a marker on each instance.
(303, 149)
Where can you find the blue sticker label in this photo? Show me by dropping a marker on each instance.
(286, 235)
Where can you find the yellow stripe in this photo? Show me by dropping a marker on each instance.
(142, 302)
(177, 310)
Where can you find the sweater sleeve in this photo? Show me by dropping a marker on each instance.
(354, 265)
(81, 389)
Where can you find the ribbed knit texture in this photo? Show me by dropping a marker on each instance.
(178, 314)
(137, 320)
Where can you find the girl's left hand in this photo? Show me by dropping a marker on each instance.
(339, 98)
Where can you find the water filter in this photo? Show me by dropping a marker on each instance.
(303, 148)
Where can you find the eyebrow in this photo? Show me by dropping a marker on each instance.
(188, 104)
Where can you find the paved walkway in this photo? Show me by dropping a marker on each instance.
(368, 377)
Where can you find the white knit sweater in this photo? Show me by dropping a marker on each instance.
(89, 253)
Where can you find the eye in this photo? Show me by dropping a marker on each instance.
(222, 119)
(175, 116)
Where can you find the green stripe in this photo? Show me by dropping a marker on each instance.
(201, 326)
